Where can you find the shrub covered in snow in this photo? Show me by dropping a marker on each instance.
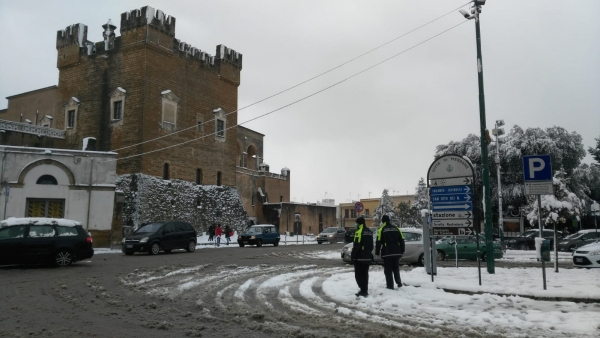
(149, 198)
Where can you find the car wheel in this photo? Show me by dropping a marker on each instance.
(441, 255)
(259, 243)
(523, 246)
(241, 245)
(154, 249)
(319, 242)
(167, 251)
(276, 243)
(191, 246)
(422, 260)
(128, 253)
(63, 258)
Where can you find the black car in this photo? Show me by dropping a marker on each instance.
(43, 240)
(349, 236)
(165, 236)
(527, 239)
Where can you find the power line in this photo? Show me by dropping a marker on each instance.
(303, 82)
(297, 101)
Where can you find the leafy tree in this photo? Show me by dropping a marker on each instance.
(408, 215)
(565, 148)
(564, 204)
(386, 207)
(595, 152)
(421, 198)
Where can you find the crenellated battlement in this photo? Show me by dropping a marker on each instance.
(75, 34)
(223, 54)
(148, 16)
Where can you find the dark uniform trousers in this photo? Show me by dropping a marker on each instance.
(391, 269)
(361, 274)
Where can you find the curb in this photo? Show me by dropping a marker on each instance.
(553, 299)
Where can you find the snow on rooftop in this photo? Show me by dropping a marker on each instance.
(48, 117)
(75, 99)
(121, 89)
(165, 92)
(38, 220)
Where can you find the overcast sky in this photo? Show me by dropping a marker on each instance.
(379, 129)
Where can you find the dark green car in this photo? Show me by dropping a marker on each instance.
(466, 248)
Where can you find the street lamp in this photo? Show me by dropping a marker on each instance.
(485, 170)
(499, 132)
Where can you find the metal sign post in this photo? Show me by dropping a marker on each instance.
(537, 176)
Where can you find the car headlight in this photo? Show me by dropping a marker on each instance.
(595, 253)
(123, 241)
(144, 240)
(252, 237)
(330, 236)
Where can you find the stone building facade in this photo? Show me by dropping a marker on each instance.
(126, 91)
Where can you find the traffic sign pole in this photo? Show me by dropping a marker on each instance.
(541, 230)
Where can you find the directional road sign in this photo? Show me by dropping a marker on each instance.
(445, 199)
(537, 174)
(462, 206)
(452, 223)
(450, 181)
(448, 231)
(460, 189)
(453, 215)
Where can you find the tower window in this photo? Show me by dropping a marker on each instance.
(219, 178)
(198, 176)
(166, 173)
(117, 110)
(71, 119)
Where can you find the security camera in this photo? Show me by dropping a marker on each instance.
(465, 13)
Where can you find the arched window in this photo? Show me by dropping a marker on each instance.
(47, 179)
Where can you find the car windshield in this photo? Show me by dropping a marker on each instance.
(573, 236)
(152, 227)
(257, 230)
(529, 234)
(330, 230)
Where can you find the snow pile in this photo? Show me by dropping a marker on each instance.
(149, 198)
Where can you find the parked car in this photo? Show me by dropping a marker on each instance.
(259, 234)
(526, 241)
(331, 235)
(349, 236)
(160, 236)
(588, 256)
(579, 239)
(413, 253)
(43, 240)
(466, 248)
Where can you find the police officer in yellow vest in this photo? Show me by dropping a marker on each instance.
(362, 256)
(390, 243)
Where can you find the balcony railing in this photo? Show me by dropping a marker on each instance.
(252, 172)
(31, 129)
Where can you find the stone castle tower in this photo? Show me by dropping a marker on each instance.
(127, 90)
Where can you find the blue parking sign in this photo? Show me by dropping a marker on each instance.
(537, 168)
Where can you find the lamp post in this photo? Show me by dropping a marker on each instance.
(499, 132)
(487, 212)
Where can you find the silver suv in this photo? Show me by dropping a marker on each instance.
(331, 235)
(413, 253)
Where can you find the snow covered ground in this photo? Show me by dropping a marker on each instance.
(289, 297)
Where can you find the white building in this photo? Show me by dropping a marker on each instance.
(77, 185)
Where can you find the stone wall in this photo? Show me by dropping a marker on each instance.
(149, 198)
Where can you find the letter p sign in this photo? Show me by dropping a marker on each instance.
(537, 168)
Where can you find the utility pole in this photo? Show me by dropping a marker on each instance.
(485, 170)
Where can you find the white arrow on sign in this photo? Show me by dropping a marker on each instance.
(444, 182)
(452, 206)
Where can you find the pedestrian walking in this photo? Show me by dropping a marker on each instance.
(211, 232)
(227, 234)
(218, 233)
(362, 256)
(390, 244)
